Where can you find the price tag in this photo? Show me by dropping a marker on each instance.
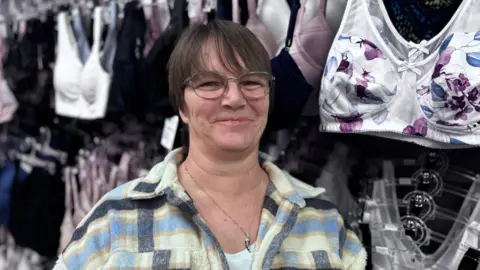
(170, 127)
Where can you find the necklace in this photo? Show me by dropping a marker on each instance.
(247, 235)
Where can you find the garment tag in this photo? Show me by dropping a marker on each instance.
(169, 131)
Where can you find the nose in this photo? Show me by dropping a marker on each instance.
(233, 97)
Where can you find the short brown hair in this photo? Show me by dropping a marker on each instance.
(231, 40)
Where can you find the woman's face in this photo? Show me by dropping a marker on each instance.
(228, 123)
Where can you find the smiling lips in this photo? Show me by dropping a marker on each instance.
(237, 121)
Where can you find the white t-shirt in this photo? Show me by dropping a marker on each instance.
(240, 260)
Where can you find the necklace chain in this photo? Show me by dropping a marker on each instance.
(247, 235)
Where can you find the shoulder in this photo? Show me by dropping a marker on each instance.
(115, 216)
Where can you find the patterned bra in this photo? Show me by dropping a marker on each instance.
(377, 82)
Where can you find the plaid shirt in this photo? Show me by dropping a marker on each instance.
(151, 223)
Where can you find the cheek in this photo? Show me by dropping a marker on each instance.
(201, 112)
(261, 108)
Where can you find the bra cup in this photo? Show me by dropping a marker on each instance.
(450, 98)
(353, 85)
(310, 50)
(275, 15)
(263, 34)
(315, 34)
(66, 87)
(311, 42)
(89, 82)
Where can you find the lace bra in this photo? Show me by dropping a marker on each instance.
(81, 90)
(377, 82)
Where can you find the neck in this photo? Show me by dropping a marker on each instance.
(224, 174)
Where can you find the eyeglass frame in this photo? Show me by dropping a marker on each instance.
(231, 78)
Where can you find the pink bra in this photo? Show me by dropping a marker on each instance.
(311, 43)
(256, 26)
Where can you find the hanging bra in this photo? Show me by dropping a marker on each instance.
(8, 103)
(81, 91)
(157, 17)
(256, 26)
(377, 82)
(311, 42)
(393, 250)
(275, 15)
(288, 104)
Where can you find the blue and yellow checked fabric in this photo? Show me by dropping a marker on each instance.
(151, 223)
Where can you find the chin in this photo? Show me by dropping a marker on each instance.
(234, 144)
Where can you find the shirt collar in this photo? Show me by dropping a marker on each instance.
(164, 175)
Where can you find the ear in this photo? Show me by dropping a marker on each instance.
(183, 117)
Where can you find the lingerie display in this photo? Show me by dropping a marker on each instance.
(376, 101)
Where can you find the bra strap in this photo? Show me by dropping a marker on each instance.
(97, 29)
(235, 11)
(323, 5)
(252, 8)
(291, 23)
(3, 54)
(201, 13)
(113, 16)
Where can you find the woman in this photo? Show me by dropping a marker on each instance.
(215, 205)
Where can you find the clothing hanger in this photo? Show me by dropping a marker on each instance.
(449, 244)
(31, 158)
(45, 148)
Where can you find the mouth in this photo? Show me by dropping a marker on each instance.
(234, 121)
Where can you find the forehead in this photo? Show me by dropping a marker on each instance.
(220, 57)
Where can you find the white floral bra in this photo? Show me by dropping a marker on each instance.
(377, 82)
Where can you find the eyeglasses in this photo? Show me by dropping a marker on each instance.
(212, 85)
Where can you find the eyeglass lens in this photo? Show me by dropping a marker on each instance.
(212, 85)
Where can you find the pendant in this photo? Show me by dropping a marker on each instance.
(247, 241)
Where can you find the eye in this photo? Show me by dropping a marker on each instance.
(210, 84)
(251, 83)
